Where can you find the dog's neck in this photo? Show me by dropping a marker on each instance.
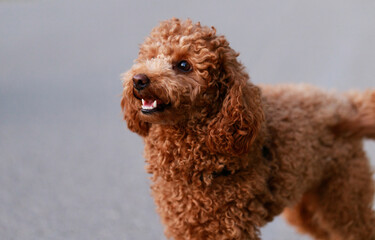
(180, 155)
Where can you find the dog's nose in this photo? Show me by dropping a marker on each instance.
(140, 81)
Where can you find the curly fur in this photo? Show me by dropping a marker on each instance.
(227, 156)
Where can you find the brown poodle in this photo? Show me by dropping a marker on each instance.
(227, 156)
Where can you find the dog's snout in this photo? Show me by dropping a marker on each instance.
(140, 81)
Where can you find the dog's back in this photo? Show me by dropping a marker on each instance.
(351, 114)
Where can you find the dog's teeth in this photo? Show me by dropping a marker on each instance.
(147, 106)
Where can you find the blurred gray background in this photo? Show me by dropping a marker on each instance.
(69, 168)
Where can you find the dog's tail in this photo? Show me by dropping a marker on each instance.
(362, 122)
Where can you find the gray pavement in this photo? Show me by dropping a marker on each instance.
(69, 168)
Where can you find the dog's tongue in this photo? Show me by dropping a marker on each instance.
(148, 102)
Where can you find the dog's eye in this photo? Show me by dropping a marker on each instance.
(183, 66)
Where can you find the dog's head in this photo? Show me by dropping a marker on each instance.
(186, 73)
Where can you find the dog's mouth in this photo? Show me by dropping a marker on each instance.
(151, 104)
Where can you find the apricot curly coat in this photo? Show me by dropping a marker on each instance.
(227, 156)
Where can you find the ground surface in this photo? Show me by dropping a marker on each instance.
(69, 169)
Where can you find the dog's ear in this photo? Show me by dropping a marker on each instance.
(239, 120)
(131, 116)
